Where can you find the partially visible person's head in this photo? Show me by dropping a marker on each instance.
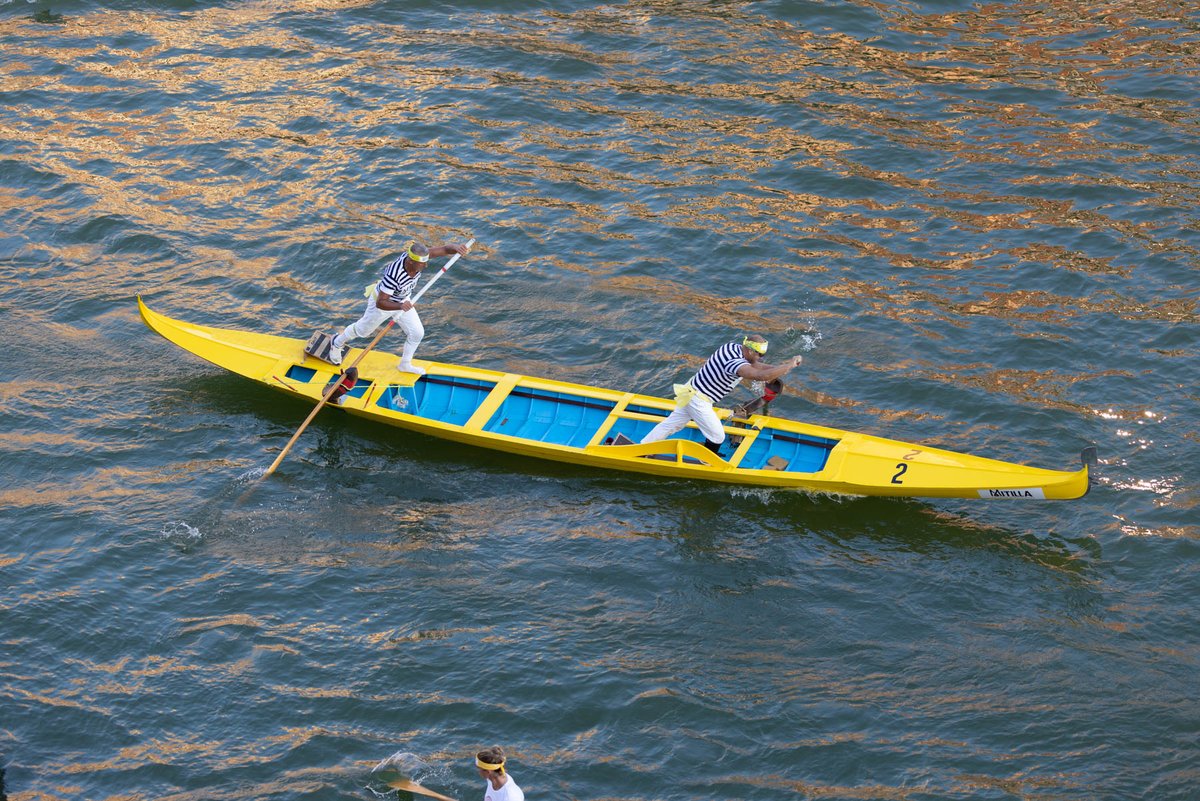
(755, 344)
(490, 760)
(417, 254)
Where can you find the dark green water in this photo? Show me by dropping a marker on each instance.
(977, 221)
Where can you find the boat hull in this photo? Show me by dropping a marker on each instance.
(577, 424)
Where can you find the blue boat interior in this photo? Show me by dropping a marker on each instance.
(304, 375)
(563, 418)
(447, 400)
(559, 418)
(636, 429)
(802, 454)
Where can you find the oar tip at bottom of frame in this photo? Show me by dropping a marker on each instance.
(416, 789)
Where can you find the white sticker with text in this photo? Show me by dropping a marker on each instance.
(1033, 493)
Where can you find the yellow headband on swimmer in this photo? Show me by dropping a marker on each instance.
(758, 347)
(415, 257)
(488, 765)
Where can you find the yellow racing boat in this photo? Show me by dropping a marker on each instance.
(599, 427)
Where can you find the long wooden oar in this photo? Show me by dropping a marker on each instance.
(413, 787)
(329, 390)
(333, 386)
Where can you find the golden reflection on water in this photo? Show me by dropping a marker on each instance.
(299, 126)
(686, 146)
(63, 698)
(194, 625)
(816, 790)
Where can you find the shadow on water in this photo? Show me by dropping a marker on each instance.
(852, 525)
(922, 528)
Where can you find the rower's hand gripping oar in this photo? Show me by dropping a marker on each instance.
(329, 390)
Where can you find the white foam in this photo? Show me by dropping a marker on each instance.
(179, 530)
(402, 762)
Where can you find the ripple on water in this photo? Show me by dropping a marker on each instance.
(976, 226)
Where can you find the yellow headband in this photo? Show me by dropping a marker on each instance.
(415, 257)
(488, 765)
(758, 347)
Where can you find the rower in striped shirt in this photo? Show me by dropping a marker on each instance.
(722, 372)
(390, 298)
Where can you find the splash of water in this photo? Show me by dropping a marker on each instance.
(404, 763)
(181, 532)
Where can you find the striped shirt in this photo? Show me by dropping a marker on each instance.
(397, 282)
(718, 376)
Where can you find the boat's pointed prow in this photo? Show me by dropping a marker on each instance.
(147, 315)
(248, 354)
(158, 323)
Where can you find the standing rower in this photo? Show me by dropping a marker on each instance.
(390, 298)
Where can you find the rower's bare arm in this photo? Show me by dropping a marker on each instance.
(384, 301)
(447, 250)
(768, 372)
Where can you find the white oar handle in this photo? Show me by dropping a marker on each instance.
(439, 274)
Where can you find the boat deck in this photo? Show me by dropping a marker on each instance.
(572, 420)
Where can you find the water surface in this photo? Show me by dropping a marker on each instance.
(976, 221)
